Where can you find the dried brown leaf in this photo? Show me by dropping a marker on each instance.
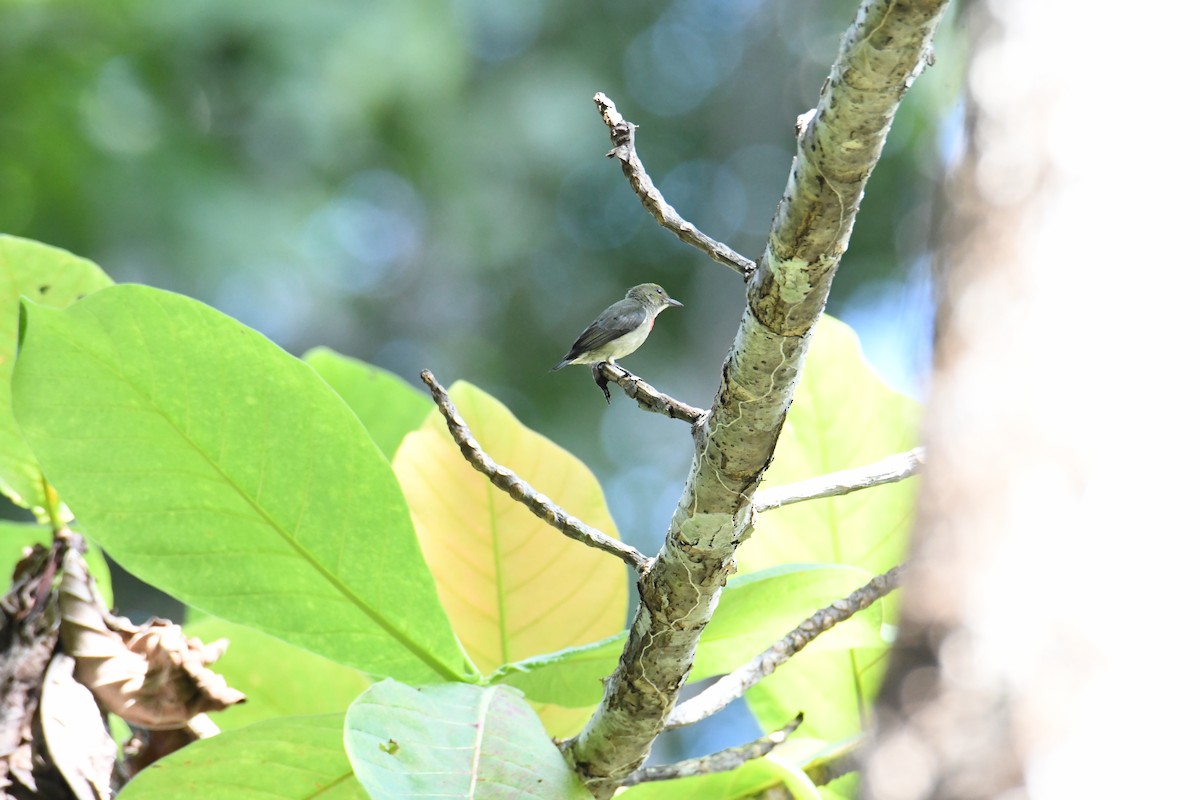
(76, 737)
(150, 675)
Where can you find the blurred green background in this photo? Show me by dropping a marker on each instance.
(424, 184)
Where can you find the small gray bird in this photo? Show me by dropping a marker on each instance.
(619, 330)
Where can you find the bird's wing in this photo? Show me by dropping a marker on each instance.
(616, 321)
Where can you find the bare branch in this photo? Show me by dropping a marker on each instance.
(503, 478)
(738, 682)
(828, 770)
(647, 396)
(621, 132)
(888, 470)
(722, 761)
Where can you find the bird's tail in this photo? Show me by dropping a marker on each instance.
(560, 365)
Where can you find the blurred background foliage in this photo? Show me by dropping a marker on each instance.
(424, 184)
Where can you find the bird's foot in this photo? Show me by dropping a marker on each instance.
(602, 382)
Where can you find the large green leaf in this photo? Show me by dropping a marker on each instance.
(55, 278)
(833, 689)
(14, 538)
(760, 608)
(755, 611)
(843, 788)
(215, 466)
(279, 680)
(295, 758)
(573, 677)
(386, 405)
(454, 740)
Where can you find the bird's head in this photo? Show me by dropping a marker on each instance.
(652, 296)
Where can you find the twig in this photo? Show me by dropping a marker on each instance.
(736, 683)
(504, 478)
(828, 770)
(889, 470)
(647, 396)
(721, 761)
(620, 131)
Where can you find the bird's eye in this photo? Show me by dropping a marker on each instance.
(660, 291)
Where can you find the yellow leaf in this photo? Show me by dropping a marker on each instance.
(562, 722)
(512, 585)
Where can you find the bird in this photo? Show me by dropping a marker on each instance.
(618, 331)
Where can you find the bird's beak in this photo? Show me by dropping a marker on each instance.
(674, 302)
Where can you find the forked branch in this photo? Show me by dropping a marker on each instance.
(621, 131)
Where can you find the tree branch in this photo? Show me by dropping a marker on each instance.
(722, 761)
(738, 682)
(646, 396)
(522, 492)
(880, 55)
(828, 770)
(888, 470)
(621, 131)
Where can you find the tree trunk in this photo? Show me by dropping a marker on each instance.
(1056, 538)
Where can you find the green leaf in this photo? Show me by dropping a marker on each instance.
(801, 754)
(16, 536)
(755, 611)
(454, 740)
(843, 788)
(833, 689)
(210, 463)
(386, 405)
(55, 278)
(572, 677)
(279, 680)
(296, 758)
